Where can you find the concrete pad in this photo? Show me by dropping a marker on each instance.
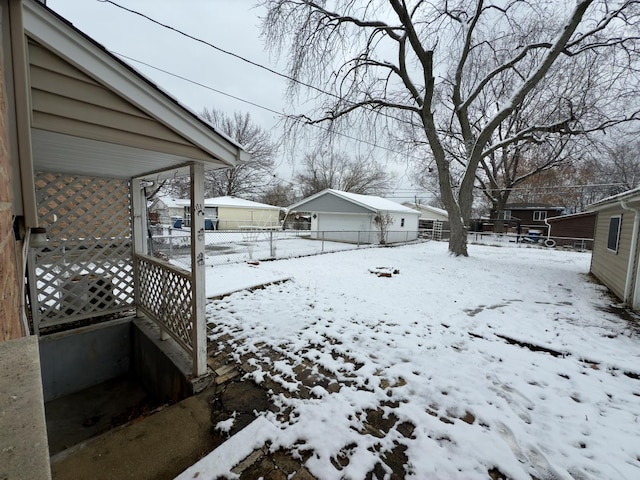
(157, 447)
(24, 453)
(230, 454)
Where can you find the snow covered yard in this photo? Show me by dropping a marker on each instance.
(504, 363)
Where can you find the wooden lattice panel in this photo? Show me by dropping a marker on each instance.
(86, 270)
(166, 296)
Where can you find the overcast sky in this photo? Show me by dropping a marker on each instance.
(230, 25)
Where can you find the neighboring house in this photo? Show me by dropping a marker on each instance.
(350, 217)
(225, 213)
(166, 209)
(432, 221)
(615, 258)
(576, 230)
(236, 213)
(84, 133)
(531, 216)
(428, 212)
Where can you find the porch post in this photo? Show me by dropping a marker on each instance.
(198, 320)
(137, 231)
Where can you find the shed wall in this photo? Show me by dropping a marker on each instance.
(577, 227)
(611, 267)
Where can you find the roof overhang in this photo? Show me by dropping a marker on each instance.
(53, 151)
(630, 198)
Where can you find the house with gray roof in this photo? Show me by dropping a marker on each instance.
(354, 218)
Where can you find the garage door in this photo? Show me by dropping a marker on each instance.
(344, 227)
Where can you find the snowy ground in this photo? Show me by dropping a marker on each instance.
(225, 247)
(455, 367)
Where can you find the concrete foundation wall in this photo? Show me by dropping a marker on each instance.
(74, 360)
(78, 359)
(161, 365)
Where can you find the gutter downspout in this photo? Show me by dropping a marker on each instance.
(632, 250)
(548, 228)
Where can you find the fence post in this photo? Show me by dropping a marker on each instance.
(271, 246)
(322, 241)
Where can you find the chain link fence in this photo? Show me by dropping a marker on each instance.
(243, 245)
(528, 240)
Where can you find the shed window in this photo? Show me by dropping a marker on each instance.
(506, 215)
(402, 222)
(614, 233)
(539, 215)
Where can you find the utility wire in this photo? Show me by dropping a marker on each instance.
(271, 110)
(250, 62)
(292, 79)
(222, 50)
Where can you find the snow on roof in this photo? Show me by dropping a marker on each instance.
(531, 206)
(226, 201)
(416, 206)
(235, 202)
(369, 201)
(172, 202)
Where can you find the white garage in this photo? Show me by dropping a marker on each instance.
(349, 217)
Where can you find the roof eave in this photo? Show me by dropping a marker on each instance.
(61, 37)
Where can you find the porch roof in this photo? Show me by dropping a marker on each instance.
(98, 150)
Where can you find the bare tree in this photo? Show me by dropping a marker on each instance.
(383, 220)
(279, 194)
(455, 70)
(322, 170)
(619, 169)
(248, 179)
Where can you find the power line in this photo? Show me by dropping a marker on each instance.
(195, 82)
(250, 62)
(553, 187)
(281, 114)
(222, 50)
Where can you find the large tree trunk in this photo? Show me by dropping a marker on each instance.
(498, 213)
(457, 236)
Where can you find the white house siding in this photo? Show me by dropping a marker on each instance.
(344, 216)
(398, 233)
(610, 267)
(344, 227)
(232, 218)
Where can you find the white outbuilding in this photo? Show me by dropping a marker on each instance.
(350, 217)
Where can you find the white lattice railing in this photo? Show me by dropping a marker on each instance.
(165, 296)
(86, 268)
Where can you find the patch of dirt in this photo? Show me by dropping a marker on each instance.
(531, 346)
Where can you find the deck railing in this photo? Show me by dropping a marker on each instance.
(165, 295)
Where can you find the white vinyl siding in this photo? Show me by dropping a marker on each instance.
(608, 268)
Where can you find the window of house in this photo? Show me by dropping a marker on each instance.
(506, 215)
(402, 222)
(539, 215)
(614, 233)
